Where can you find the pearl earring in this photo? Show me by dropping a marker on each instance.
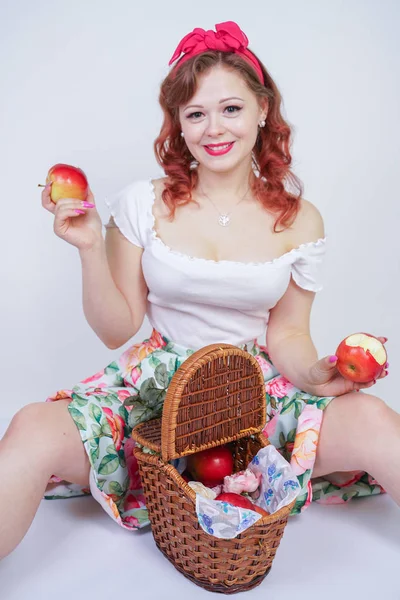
(182, 134)
(262, 123)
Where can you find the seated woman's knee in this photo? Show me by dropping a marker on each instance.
(47, 432)
(371, 410)
(348, 433)
(29, 419)
(39, 425)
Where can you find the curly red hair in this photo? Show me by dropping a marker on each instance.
(271, 153)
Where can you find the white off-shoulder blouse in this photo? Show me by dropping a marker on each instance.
(196, 301)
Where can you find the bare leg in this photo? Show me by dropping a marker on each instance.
(360, 432)
(42, 440)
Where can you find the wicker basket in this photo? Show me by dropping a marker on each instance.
(216, 397)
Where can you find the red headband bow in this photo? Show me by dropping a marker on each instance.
(228, 37)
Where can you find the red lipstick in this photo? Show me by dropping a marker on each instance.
(218, 149)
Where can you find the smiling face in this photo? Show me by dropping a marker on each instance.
(220, 122)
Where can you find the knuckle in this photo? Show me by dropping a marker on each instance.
(67, 203)
(63, 202)
(61, 211)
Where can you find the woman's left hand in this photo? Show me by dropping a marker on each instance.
(325, 380)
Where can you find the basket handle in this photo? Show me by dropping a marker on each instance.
(216, 396)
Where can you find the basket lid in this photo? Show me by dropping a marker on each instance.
(216, 396)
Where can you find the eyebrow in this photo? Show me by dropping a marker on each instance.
(220, 102)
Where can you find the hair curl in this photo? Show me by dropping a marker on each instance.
(271, 153)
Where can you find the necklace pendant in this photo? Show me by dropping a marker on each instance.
(224, 220)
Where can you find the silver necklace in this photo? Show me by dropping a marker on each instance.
(224, 218)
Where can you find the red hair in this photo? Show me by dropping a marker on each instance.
(271, 154)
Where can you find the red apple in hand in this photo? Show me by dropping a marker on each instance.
(211, 466)
(68, 182)
(361, 357)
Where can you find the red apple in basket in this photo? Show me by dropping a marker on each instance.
(236, 500)
(241, 501)
(361, 357)
(211, 466)
(186, 476)
(68, 182)
(260, 510)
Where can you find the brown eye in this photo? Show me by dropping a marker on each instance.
(232, 109)
(195, 115)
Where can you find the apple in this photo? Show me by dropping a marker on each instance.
(260, 510)
(211, 466)
(68, 182)
(241, 501)
(236, 500)
(186, 476)
(361, 357)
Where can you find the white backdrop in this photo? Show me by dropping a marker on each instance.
(79, 84)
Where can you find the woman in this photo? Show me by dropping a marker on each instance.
(219, 250)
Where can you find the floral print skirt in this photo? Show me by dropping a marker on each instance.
(106, 406)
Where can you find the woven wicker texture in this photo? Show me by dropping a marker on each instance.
(216, 397)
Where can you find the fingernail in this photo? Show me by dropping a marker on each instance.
(79, 212)
(332, 359)
(87, 204)
(387, 372)
(386, 339)
(386, 366)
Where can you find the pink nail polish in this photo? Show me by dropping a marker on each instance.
(386, 366)
(332, 359)
(79, 212)
(87, 204)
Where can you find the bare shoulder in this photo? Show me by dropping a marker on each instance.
(308, 225)
(159, 184)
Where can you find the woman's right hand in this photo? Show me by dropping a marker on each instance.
(75, 221)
